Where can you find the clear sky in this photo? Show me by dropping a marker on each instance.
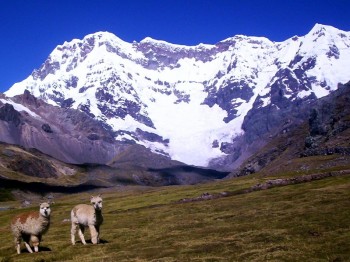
(31, 29)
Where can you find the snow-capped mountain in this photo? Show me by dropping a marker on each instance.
(201, 105)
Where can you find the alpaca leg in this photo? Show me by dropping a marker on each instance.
(18, 245)
(28, 247)
(35, 240)
(98, 234)
(72, 232)
(94, 234)
(81, 234)
(26, 239)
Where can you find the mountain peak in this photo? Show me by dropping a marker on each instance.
(91, 40)
(320, 29)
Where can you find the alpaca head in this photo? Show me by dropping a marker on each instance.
(45, 209)
(96, 201)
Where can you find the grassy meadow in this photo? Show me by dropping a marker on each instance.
(301, 222)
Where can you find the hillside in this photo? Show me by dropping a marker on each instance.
(297, 222)
(287, 206)
(30, 171)
(320, 140)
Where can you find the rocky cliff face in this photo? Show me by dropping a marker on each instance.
(66, 134)
(320, 141)
(329, 125)
(205, 105)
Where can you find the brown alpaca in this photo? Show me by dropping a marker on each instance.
(30, 227)
(90, 216)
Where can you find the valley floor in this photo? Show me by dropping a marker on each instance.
(297, 222)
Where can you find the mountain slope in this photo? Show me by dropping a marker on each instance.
(28, 170)
(66, 134)
(320, 142)
(196, 104)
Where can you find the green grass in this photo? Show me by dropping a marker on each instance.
(5, 195)
(302, 222)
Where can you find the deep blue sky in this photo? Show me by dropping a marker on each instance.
(31, 29)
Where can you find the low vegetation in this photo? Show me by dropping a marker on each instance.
(298, 222)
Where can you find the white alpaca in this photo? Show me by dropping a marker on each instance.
(30, 227)
(90, 216)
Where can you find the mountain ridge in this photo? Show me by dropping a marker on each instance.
(191, 103)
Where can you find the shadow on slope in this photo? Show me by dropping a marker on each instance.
(181, 175)
(43, 188)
